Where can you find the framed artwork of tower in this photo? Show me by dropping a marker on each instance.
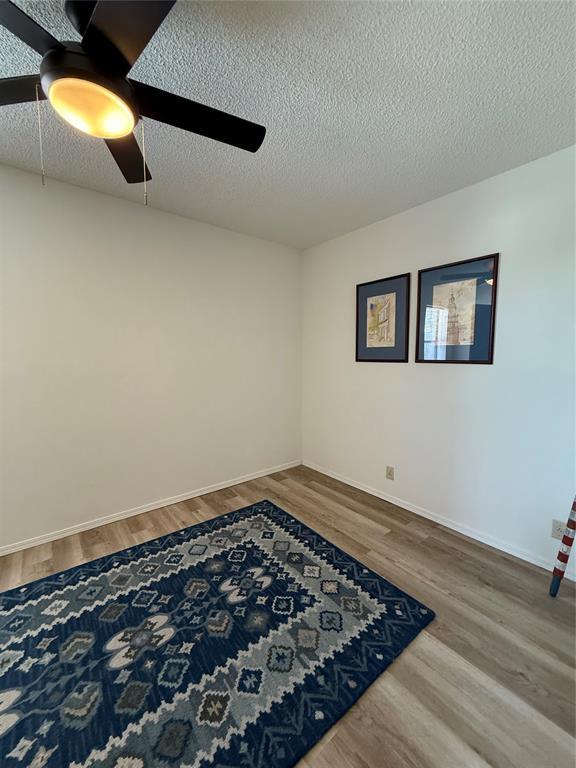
(456, 312)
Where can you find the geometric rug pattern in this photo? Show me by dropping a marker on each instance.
(235, 643)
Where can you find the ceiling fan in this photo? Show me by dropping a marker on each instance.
(87, 82)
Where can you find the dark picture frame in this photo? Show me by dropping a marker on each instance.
(389, 318)
(457, 312)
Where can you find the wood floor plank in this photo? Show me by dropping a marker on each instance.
(489, 684)
(494, 647)
(493, 719)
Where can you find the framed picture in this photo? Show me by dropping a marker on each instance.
(382, 314)
(456, 312)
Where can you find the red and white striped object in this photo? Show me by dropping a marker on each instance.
(567, 541)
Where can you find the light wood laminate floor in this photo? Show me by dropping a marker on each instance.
(489, 683)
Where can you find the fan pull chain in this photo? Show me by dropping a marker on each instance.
(144, 161)
(42, 169)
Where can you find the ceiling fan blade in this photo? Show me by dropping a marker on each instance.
(123, 27)
(25, 28)
(197, 118)
(16, 90)
(129, 159)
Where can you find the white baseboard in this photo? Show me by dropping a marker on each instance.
(63, 532)
(473, 533)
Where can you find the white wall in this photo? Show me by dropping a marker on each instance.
(144, 356)
(488, 450)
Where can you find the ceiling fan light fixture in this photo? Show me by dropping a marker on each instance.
(87, 82)
(91, 108)
(95, 101)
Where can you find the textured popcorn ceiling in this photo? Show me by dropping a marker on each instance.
(371, 108)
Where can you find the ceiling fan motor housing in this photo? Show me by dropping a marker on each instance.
(79, 12)
(70, 60)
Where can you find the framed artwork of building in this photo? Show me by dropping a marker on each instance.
(456, 312)
(382, 316)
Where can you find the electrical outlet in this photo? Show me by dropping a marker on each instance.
(558, 528)
(389, 473)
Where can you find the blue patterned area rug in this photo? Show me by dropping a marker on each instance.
(236, 643)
